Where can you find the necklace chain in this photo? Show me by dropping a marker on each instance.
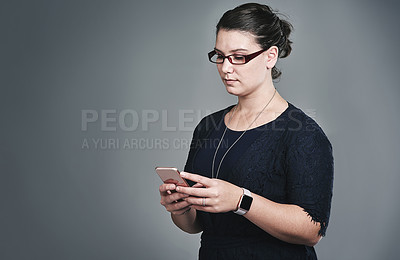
(226, 127)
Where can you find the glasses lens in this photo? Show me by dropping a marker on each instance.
(217, 58)
(238, 59)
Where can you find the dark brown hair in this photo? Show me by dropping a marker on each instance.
(264, 24)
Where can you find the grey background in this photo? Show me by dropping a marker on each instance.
(60, 200)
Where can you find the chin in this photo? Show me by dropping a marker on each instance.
(233, 92)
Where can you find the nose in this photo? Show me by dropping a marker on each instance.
(226, 66)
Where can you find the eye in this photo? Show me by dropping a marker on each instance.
(239, 58)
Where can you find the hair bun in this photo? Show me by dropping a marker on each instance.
(285, 44)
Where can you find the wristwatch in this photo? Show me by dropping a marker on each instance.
(244, 203)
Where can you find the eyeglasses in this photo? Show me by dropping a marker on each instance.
(237, 59)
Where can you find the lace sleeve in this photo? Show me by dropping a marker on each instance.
(310, 174)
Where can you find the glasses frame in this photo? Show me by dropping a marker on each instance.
(247, 58)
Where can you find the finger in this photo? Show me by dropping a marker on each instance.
(175, 197)
(198, 185)
(197, 178)
(197, 192)
(167, 187)
(177, 206)
(199, 201)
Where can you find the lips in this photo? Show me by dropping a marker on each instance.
(229, 80)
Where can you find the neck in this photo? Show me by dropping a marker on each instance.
(254, 102)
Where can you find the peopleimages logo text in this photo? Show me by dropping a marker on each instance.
(128, 129)
(129, 120)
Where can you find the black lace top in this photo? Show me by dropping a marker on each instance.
(288, 160)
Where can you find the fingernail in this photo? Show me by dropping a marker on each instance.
(177, 188)
(183, 174)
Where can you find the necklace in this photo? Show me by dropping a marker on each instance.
(226, 127)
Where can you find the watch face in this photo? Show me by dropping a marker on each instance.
(246, 202)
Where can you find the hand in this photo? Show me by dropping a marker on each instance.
(218, 195)
(173, 202)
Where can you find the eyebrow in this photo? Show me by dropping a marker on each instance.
(235, 50)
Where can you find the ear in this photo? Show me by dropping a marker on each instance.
(272, 56)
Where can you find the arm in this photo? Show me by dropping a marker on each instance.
(182, 214)
(187, 221)
(286, 222)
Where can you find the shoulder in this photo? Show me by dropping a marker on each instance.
(302, 128)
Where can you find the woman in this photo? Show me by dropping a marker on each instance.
(262, 170)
